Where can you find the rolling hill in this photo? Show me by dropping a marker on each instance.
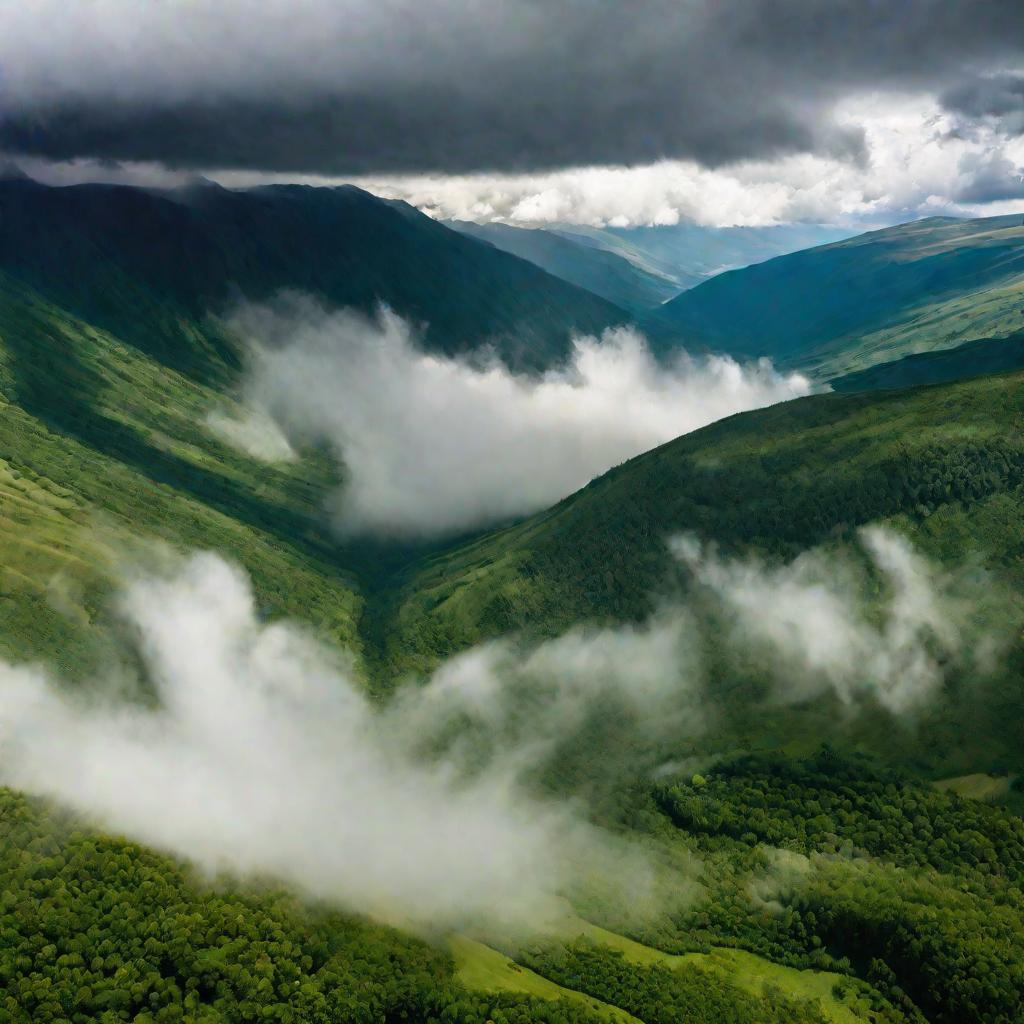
(943, 464)
(150, 267)
(600, 271)
(930, 284)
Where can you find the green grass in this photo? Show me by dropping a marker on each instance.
(480, 967)
(744, 970)
(978, 786)
(105, 451)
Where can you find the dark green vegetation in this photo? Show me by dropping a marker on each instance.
(920, 892)
(98, 929)
(931, 284)
(972, 359)
(151, 267)
(812, 862)
(604, 273)
(944, 464)
(662, 995)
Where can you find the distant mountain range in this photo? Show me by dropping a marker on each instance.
(641, 268)
(830, 310)
(605, 273)
(689, 253)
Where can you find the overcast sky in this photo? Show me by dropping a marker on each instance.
(588, 111)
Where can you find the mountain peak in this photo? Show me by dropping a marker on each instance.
(10, 171)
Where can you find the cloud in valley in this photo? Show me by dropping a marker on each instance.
(252, 431)
(261, 753)
(889, 631)
(433, 445)
(264, 756)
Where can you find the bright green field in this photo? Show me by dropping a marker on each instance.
(483, 968)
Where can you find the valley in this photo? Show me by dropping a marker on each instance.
(817, 850)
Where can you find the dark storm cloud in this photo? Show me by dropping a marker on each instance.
(352, 87)
(998, 96)
(989, 177)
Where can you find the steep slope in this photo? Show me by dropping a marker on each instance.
(946, 463)
(152, 266)
(971, 359)
(926, 285)
(602, 272)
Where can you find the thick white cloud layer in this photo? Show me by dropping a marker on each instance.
(435, 445)
(264, 756)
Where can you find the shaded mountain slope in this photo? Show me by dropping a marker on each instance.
(837, 308)
(151, 266)
(972, 359)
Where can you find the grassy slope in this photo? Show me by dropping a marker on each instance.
(830, 310)
(746, 970)
(971, 359)
(101, 446)
(480, 967)
(150, 267)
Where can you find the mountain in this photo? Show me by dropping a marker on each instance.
(943, 464)
(604, 273)
(689, 253)
(930, 284)
(152, 266)
(794, 881)
(971, 359)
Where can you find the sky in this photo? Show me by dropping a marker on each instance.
(535, 111)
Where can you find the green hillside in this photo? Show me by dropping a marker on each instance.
(930, 284)
(906, 895)
(971, 359)
(942, 461)
(103, 447)
(944, 465)
(602, 272)
(151, 267)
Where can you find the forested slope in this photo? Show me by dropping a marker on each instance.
(945, 462)
(929, 284)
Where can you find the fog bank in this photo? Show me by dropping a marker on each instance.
(434, 445)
